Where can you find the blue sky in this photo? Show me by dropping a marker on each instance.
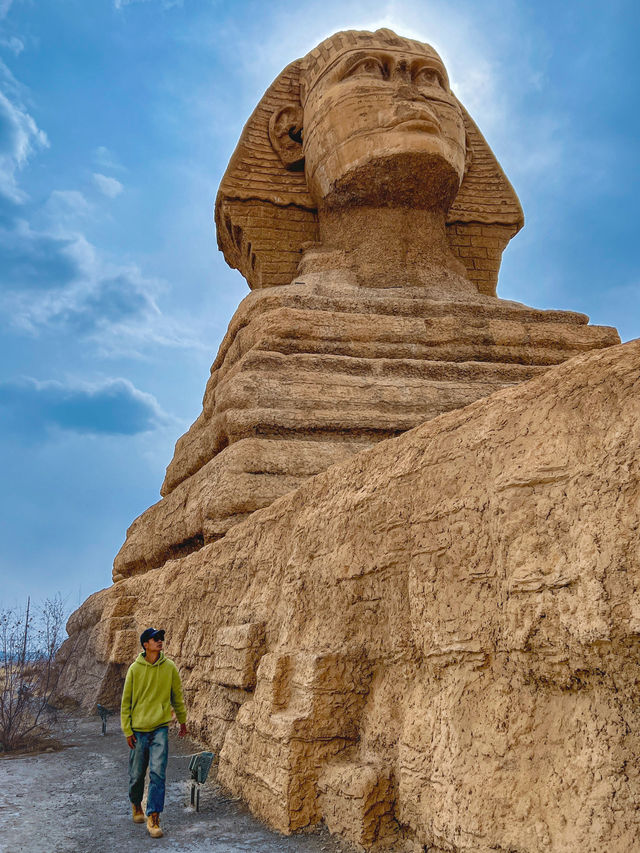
(117, 119)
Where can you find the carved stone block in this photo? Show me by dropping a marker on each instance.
(237, 652)
(356, 800)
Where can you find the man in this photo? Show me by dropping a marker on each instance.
(151, 688)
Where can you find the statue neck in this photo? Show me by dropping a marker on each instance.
(387, 247)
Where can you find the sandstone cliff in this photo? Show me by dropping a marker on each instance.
(433, 643)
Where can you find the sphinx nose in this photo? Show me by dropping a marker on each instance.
(407, 92)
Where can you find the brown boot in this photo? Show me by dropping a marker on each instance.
(138, 814)
(153, 825)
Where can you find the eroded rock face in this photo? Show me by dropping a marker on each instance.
(433, 643)
(361, 177)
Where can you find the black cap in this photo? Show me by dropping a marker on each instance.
(151, 634)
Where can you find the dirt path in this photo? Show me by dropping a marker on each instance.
(75, 801)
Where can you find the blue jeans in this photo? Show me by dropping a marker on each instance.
(151, 750)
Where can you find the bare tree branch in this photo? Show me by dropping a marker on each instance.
(29, 672)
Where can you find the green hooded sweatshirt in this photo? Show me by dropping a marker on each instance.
(149, 692)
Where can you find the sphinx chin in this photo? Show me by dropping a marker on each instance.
(421, 180)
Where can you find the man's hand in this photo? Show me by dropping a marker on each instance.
(183, 730)
(131, 740)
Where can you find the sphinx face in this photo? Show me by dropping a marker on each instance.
(384, 117)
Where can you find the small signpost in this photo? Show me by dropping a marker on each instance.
(104, 713)
(199, 766)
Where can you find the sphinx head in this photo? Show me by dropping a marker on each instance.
(375, 123)
(366, 120)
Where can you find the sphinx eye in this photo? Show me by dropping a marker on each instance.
(427, 76)
(369, 67)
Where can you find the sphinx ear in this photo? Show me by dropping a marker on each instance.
(285, 133)
(468, 155)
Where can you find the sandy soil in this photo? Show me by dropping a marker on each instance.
(75, 801)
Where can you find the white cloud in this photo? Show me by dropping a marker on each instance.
(66, 204)
(34, 409)
(9, 85)
(35, 261)
(54, 280)
(12, 43)
(20, 137)
(5, 5)
(167, 4)
(61, 216)
(108, 186)
(104, 157)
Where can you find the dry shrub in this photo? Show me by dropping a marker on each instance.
(29, 672)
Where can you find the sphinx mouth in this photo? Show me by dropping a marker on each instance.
(416, 124)
(414, 118)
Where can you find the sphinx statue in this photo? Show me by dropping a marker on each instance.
(368, 215)
(432, 644)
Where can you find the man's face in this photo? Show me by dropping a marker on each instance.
(154, 645)
(375, 105)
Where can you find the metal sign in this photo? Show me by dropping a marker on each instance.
(104, 713)
(199, 767)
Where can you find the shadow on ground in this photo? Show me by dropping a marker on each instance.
(75, 801)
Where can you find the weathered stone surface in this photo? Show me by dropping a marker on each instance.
(457, 608)
(237, 652)
(357, 801)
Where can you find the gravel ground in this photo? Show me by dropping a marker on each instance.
(75, 801)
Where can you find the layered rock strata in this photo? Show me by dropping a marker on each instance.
(434, 643)
(311, 373)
